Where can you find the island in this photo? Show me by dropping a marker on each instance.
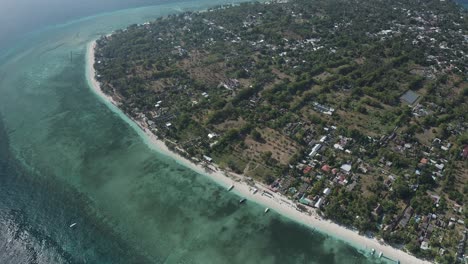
(349, 116)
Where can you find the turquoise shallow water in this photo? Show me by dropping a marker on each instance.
(65, 157)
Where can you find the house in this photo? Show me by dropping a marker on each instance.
(341, 179)
(446, 147)
(207, 158)
(377, 210)
(363, 168)
(351, 187)
(338, 146)
(323, 109)
(327, 191)
(461, 247)
(457, 208)
(318, 203)
(230, 84)
(346, 168)
(440, 166)
(305, 201)
(465, 152)
(326, 168)
(314, 150)
(389, 181)
(429, 230)
(307, 169)
(450, 224)
(410, 97)
(435, 198)
(306, 180)
(406, 217)
(342, 143)
(424, 245)
(212, 135)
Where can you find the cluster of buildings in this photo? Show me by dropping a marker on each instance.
(331, 159)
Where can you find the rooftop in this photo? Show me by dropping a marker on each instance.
(410, 97)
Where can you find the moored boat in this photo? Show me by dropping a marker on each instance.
(267, 210)
(230, 187)
(242, 200)
(72, 225)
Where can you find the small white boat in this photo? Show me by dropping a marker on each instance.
(72, 225)
(254, 190)
(230, 188)
(242, 200)
(380, 254)
(267, 210)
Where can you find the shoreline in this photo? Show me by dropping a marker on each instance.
(277, 202)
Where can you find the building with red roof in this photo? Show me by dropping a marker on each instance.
(307, 169)
(326, 168)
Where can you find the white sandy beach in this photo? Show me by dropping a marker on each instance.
(276, 203)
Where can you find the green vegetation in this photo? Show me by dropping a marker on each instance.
(311, 97)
